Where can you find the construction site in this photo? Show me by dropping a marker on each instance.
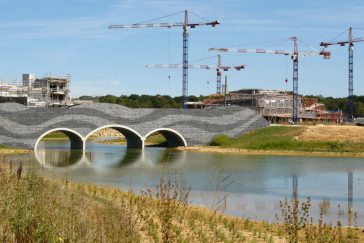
(48, 91)
(275, 105)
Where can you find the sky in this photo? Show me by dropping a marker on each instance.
(60, 37)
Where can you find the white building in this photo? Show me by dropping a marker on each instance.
(28, 80)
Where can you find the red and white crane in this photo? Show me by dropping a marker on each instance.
(294, 55)
(350, 41)
(185, 25)
(219, 68)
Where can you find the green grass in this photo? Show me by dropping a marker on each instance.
(56, 136)
(153, 140)
(283, 138)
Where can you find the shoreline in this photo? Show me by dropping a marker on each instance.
(4, 151)
(222, 150)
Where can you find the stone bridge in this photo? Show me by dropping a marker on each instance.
(24, 127)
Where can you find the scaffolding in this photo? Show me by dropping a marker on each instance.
(50, 91)
(276, 105)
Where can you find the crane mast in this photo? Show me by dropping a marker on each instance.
(218, 76)
(351, 75)
(295, 81)
(185, 62)
(350, 43)
(186, 25)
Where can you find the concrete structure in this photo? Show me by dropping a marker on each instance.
(38, 92)
(49, 91)
(28, 79)
(21, 126)
(276, 105)
(13, 93)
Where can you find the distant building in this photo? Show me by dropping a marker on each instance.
(28, 80)
(48, 91)
(13, 93)
(195, 105)
(276, 105)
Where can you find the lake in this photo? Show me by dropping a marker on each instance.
(252, 184)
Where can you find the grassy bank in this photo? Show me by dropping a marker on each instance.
(7, 150)
(38, 209)
(284, 138)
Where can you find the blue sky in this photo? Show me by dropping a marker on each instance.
(71, 36)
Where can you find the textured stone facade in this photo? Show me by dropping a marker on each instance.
(23, 127)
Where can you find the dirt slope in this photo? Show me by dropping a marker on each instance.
(332, 133)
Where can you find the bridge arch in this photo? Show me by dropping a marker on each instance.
(133, 138)
(174, 138)
(74, 137)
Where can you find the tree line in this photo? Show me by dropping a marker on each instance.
(143, 101)
(341, 104)
(166, 101)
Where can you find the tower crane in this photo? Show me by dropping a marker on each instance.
(294, 55)
(219, 68)
(350, 41)
(185, 25)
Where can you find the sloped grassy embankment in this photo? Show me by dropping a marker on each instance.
(287, 138)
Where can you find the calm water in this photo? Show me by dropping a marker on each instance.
(256, 184)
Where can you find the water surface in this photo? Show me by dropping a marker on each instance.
(256, 183)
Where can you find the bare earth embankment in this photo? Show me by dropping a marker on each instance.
(335, 133)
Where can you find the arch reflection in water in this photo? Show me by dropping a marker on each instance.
(113, 159)
(117, 156)
(161, 156)
(58, 158)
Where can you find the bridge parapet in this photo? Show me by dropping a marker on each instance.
(22, 127)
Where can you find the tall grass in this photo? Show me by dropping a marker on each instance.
(298, 225)
(33, 209)
(283, 138)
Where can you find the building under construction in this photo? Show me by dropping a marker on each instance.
(13, 93)
(49, 91)
(276, 105)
